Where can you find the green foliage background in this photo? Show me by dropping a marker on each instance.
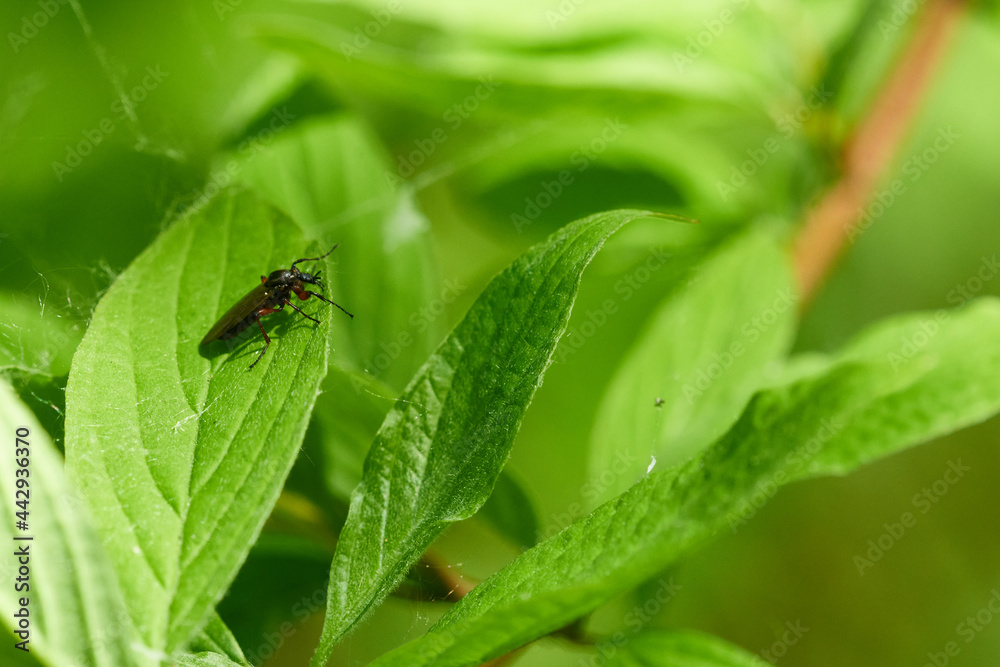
(294, 102)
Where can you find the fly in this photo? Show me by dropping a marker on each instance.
(269, 297)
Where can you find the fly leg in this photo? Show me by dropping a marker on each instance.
(267, 341)
(300, 311)
(305, 294)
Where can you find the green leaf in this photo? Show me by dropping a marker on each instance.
(181, 451)
(206, 659)
(703, 354)
(271, 80)
(75, 609)
(348, 415)
(681, 648)
(864, 405)
(439, 452)
(952, 360)
(331, 176)
(216, 637)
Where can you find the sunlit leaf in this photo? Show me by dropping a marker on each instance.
(74, 611)
(439, 452)
(179, 449)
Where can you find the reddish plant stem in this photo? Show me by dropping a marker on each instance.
(869, 152)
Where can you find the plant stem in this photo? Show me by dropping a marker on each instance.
(869, 152)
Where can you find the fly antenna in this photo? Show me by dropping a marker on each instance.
(316, 259)
(332, 303)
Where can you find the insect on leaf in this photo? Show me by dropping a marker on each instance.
(180, 451)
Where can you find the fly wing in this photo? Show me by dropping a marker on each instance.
(237, 315)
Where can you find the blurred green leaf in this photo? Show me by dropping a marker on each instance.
(182, 455)
(510, 511)
(858, 67)
(347, 416)
(75, 611)
(681, 648)
(500, 107)
(260, 92)
(825, 424)
(602, 48)
(35, 341)
(439, 452)
(703, 354)
(332, 178)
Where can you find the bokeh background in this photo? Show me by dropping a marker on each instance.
(475, 109)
